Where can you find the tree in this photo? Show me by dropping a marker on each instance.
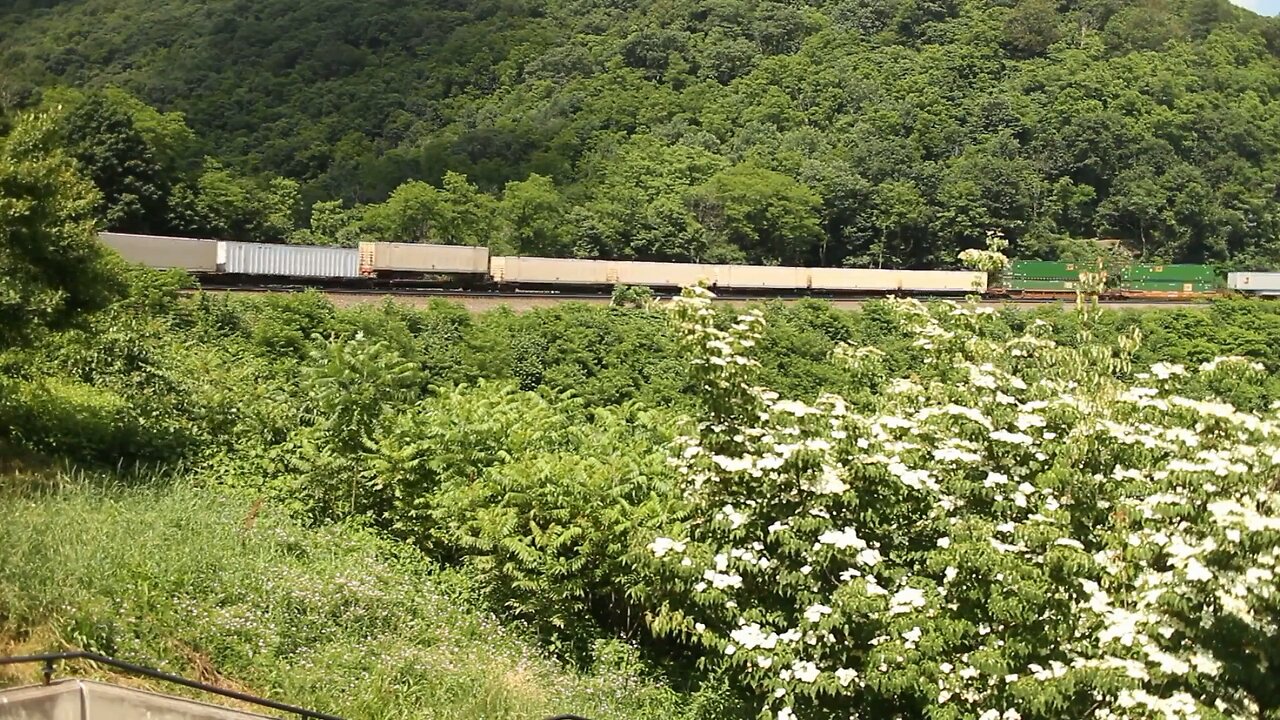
(52, 267)
(116, 157)
(533, 214)
(1031, 27)
(769, 216)
(413, 213)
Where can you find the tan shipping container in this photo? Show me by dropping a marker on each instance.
(551, 271)
(662, 274)
(855, 279)
(423, 258)
(879, 280)
(761, 276)
(158, 251)
(953, 281)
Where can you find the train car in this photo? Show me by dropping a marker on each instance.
(1036, 278)
(163, 253)
(420, 261)
(663, 275)
(291, 261)
(1168, 281)
(1255, 283)
(760, 277)
(541, 271)
(853, 280)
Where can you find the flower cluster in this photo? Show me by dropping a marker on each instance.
(1017, 530)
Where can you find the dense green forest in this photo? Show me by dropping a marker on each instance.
(861, 132)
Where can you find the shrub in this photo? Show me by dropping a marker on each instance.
(335, 619)
(1017, 530)
(542, 501)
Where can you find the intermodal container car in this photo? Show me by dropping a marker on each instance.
(156, 251)
(1257, 283)
(383, 259)
(657, 274)
(241, 258)
(761, 277)
(513, 270)
(1042, 276)
(1167, 280)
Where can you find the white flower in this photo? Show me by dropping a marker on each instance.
(815, 612)
(730, 464)
(661, 546)
(785, 713)
(846, 538)
(870, 557)
(846, 676)
(1164, 370)
(1197, 572)
(721, 581)
(805, 671)
(752, 637)
(1011, 437)
(906, 599)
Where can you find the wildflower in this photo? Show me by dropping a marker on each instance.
(661, 546)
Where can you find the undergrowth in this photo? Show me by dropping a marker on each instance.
(335, 618)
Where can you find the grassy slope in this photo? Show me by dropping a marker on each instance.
(334, 619)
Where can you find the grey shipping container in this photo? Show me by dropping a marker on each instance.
(158, 251)
(288, 260)
(1258, 283)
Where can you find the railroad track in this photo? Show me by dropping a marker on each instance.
(521, 299)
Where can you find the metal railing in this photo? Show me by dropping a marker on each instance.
(50, 659)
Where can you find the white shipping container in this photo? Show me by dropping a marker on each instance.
(1263, 283)
(161, 252)
(423, 258)
(288, 260)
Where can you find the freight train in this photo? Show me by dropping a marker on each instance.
(389, 265)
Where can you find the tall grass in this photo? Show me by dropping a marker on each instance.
(334, 618)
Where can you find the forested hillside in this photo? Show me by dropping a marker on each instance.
(861, 132)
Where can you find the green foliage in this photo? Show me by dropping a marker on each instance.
(918, 127)
(334, 619)
(542, 502)
(52, 268)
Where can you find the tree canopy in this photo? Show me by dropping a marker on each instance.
(903, 130)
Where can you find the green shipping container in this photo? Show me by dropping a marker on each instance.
(1168, 278)
(1043, 275)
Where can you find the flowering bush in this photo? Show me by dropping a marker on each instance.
(991, 261)
(1016, 530)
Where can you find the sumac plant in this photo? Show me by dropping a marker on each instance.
(1017, 529)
